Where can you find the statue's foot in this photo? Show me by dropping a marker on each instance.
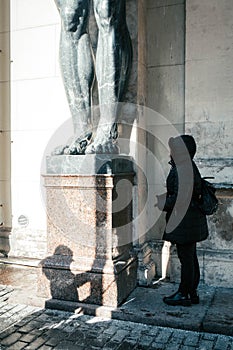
(77, 147)
(103, 147)
(59, 150)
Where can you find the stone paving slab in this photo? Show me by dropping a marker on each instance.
(213, 314)
(146, 305)
(219, 317)
(49, 329)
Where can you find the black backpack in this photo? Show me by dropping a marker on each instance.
(208, 202)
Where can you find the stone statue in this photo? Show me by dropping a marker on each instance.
(79, 67)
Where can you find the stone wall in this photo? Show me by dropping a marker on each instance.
(5, 217)
(36, 95)
(165, 65)
(209, 78)
(208, 116)
(165, 90)
(207, 109)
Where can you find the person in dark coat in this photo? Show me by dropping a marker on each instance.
(185, 223)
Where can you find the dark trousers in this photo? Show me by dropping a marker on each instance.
(190, 271)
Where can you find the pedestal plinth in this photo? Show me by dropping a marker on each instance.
(90, 257)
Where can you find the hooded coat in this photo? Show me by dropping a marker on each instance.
(185, 223)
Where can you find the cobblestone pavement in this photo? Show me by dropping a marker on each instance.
(27, 327)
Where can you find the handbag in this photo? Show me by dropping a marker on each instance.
(208, 202)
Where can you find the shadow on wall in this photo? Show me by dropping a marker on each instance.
(64, 284)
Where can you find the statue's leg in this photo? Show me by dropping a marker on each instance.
(76, 64)
(113, 63)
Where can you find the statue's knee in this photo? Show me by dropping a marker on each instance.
(73, 18)
(105, 12)
(69, 20)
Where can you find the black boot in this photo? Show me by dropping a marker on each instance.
(177, 299)
(194, 297)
